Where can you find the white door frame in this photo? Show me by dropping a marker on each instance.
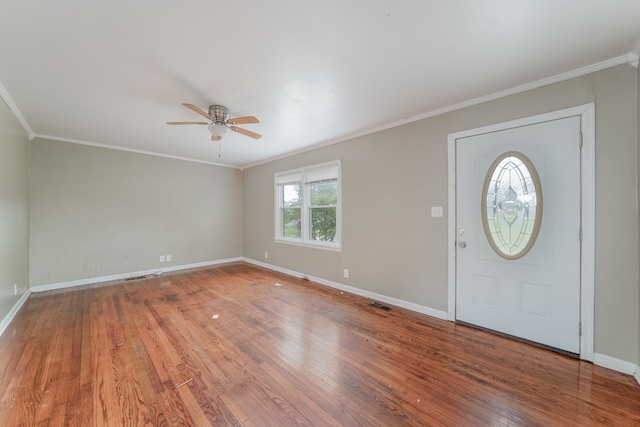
(586, 113)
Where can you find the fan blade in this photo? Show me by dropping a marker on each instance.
(187, 123)
(243, 120)
(215, 138)
(246, 132)
(199, 111)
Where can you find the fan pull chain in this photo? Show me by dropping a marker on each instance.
(220, 148)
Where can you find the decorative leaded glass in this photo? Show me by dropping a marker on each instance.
(512, 205)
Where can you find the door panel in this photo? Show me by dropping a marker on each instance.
(536, 297)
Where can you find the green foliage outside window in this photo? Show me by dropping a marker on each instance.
(323, 224)
(324, 198)
(292, 210)
(291, 222)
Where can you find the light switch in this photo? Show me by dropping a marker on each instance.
(436, 211)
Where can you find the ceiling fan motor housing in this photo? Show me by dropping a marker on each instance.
(219, 113)
(220, 124)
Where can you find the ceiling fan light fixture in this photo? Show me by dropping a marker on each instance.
(220, 123)
(218, 130)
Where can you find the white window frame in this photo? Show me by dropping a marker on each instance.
(332, 170)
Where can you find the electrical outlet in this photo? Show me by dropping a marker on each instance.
(266, 255)
(168, 258)
(15, 289)
(162, 258)
(346, 273)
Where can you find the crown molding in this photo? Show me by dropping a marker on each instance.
(630, 58)
(634, 55)
(16, 112)
(130, 150)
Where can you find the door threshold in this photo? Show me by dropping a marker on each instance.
(522, 340)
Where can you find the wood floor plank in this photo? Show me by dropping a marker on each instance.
(56, 370)
(165, 364)
(34, 364)
(104, 402)
(71, 405)
(236, 345)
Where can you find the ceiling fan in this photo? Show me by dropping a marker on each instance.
(220, 122)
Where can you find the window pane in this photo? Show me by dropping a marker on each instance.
(292, 195)
(512, 208)
(291, 223)
(324, 194)
(323, 224)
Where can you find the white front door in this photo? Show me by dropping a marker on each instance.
(535, 296)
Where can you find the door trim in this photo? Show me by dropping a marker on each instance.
(586, 113)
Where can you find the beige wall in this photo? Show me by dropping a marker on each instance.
(14, 209)
(97, 212)
(391, 244)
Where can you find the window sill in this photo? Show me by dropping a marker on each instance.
(326, 247)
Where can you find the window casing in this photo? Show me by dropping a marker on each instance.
(308, 204)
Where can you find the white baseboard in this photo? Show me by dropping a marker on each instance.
(617, 365)
(357, 291)
(121, 276)
(14, 310)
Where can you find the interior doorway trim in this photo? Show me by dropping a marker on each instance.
(586, 112)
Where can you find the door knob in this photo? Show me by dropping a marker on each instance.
(462, 244)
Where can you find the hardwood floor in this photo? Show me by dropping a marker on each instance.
(235, 345)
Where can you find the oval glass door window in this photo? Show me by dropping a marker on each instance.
(512, 205)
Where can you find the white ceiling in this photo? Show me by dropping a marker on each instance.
(112, 72)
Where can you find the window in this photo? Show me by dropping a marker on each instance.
(308, 205)
(512, 205)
